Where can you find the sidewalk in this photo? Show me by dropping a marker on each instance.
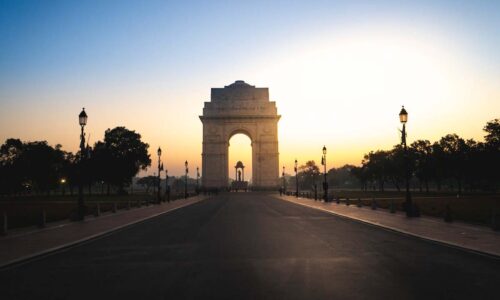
(470, 237)
(18, 247)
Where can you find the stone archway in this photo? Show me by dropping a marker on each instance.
(240, 108)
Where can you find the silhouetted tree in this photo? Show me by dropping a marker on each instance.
(361, 174)
(148, 182)
(119, 157)
(422, 152)
(343, 177)
(491, 153)
(455, 150)
(11, 170)
(308, 175)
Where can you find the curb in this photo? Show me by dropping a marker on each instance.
(401, 231)
(42, 254)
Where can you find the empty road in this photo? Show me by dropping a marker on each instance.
(253, 246)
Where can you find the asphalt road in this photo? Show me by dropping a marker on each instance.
(252, 246)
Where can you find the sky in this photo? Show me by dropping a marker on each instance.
(339, 71)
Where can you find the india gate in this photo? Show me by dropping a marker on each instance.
(240, 108)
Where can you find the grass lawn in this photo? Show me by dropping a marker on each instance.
(24, 211)
(472, 208)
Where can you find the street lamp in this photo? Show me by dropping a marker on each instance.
(167, 187)
(325, 183)
(160, 168)
(197, 180)
(284, 183)
(403, 118)
(296, 180)
(63, 181)
(82, 120)
(186, 180)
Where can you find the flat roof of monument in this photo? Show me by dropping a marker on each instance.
(239, 90)
(239, 83)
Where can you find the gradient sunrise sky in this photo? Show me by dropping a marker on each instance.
(339, 71)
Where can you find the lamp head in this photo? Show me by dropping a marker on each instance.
(403, 115)
(82, 117)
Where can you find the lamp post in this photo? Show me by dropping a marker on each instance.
(284, 183)
(167, 187)
(403, 118)
(325, 183)
(296, 180)
(197, 180)
(160, 168)
(63, 181)
(186, 180)
(82, 119)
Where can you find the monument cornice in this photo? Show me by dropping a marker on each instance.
(276, 117)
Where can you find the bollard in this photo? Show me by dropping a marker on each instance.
(416, 210)
(448, 217)
(3, 230)
(42, 220)
(347, 202)
(392, 207)
(97, 210)
(113, 210)
(359, 202)
(338, 200)
(495, 222)
(374, 204)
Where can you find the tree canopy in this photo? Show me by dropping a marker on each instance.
(39, 167)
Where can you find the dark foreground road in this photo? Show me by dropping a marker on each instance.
(253, 246)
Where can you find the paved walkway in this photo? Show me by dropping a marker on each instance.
(475, 238)
(24, 245)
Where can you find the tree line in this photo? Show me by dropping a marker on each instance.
(37, 167)
(451, 162)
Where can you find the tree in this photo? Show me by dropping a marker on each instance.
(454, 150)
(422, 151)
(43, 165)
(376, 167)
(148, 182)
(343, 176)
(492, 137)
(308, 174)
(11, 173)
(120, 157)
(397, 165)
(362, 175)
(490, 156)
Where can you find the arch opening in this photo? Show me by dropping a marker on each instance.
(240, 149)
